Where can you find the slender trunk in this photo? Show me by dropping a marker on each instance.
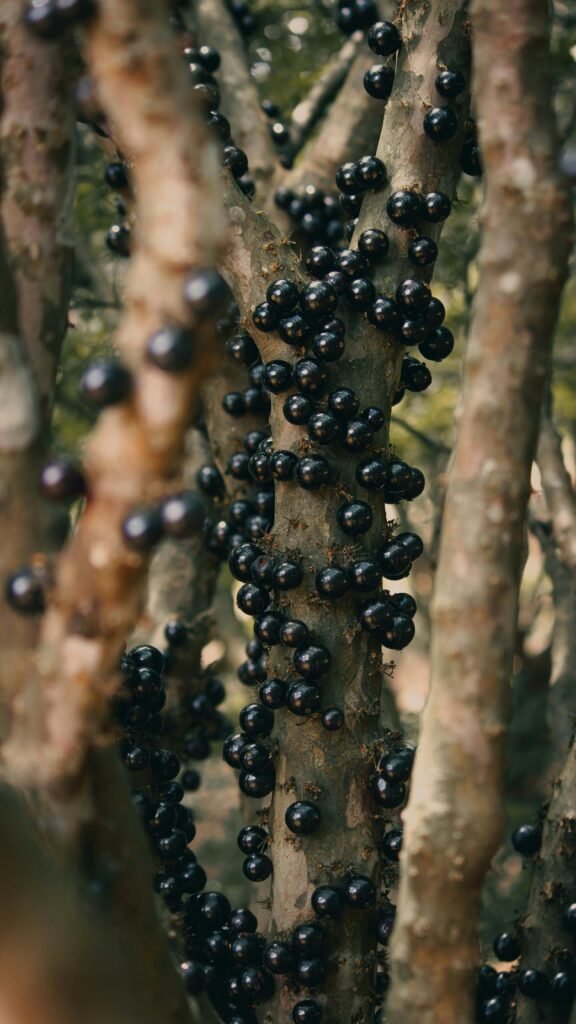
(454, 817)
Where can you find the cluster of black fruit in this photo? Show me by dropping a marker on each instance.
(243, 17)
(354, 15)
(497, 991)
(49, 19)
(235, 964)
(157, 796)
(316, 215)
(203, 62)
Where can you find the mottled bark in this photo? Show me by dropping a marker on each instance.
(136, 446)
(454, 818)
(240, 100)
(334, 768)
(36, 192)
(559, 491)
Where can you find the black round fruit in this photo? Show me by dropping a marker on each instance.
(436, 207)
(302, 818)
(527, 839)
(327, 901)
(332, 582)
(355, 518)
(343, 402)
(303, 698)
(308, 940)
(25, 592)
(323, 427)
(423, 251)
(265, 317)
(392, 844)
(311, 973)
(450, 84)
(370, 172)
(373, 244)
(371, 474)
(272, 693)
(277, 376)
(378, 81)
(288, 576)
(256, 720)
(142, 529)
(241, 349)
(106, 382)
(282, 294)
(359, 892)
(438, 344)
(440, 124)
(312, 472)
(258, 785)
(278, 958)
(183, 515)
(384, 38)
(328, 347)
(533, 984)
(312, 662)
(294, 633)
(252, 600)
(171, 349)
(252, 839)
(257, 867)
(404, 208)
(206, 292)
(333, 719)
(386, 793)
(297, 409)
(310, 377)
(61, 480)
(306, 1012)
(413, 296)
(506, 947)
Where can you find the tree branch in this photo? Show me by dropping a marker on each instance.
(36, 194)
(454, 818)
(240, 100)
(99, 582)
(350, 132)
(544, 937)
(306, 530)
(558, 489)
(308, 112)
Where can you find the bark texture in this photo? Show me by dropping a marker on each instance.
(135, 447)
(453, 821)
(36, 245)
(334, 769)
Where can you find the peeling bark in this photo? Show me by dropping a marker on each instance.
(454, 818)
